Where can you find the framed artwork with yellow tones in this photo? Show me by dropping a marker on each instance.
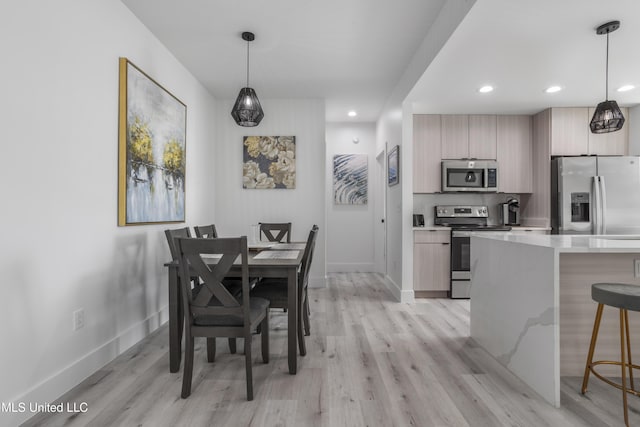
(152, 150)
(269, 162)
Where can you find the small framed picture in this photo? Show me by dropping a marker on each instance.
(393, 166)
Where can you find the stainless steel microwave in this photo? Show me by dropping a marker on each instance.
(470, 176)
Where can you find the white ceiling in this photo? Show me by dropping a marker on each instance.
(522, 47)
(352, 53)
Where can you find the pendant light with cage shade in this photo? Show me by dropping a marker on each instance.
(247, 110)
(608, 116)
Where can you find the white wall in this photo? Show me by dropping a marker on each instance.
(237, 208)
(395, 127)
(634, 130)
(350, 243)
(61, 248)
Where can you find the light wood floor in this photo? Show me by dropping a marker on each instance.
(371, 362)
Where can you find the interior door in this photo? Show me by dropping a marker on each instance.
(379, 208)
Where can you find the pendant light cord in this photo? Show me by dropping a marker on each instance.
(606, 86)
(249, 42)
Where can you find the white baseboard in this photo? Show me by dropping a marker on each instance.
(402, 296)
(64, 380)
(343, 267)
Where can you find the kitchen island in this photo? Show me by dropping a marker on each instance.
(531, 306)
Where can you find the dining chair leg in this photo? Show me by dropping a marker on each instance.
(265, 337)
(301, 344)
(305, 317)
(211, 349)
(232, 345)
(247, 359)
(188, 366)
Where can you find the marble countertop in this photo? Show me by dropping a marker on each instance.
(570, 243)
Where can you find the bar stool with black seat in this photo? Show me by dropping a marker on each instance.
(625, 297)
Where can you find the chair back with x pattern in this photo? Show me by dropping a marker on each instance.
(206, 231)
(213, 299)
(283, 231)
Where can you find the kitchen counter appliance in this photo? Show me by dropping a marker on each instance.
(595, 195)
(463, 221)
(510, 212)
(469, 176)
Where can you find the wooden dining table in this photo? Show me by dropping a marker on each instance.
(286, 268)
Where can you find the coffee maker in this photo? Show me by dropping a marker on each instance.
(510, 212)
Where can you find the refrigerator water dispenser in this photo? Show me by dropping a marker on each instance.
(580, 207)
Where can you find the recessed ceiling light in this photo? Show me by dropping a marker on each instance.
(553, 89)
(626, 88)
(352, 113)
(486, 89)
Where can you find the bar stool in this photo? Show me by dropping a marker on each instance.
(625, 297)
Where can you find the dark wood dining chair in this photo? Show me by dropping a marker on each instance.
(172, 235)
(233, 285)
(206, 231)
(213, 311)
(283, 230)
(276, 290)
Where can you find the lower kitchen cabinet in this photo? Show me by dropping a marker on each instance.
(431, 262)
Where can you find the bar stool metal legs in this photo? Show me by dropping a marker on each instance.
(624, 339)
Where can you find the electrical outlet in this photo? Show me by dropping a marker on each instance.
(636, 268)
(78, 319)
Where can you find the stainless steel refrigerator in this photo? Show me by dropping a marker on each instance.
(595, 195)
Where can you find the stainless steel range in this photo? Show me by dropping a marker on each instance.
(463, 221)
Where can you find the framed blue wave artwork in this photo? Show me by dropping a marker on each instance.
(350, 179)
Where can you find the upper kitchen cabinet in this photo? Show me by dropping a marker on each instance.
(468, 136)
(569, 131)
(570, 134)
(455, 136)
(426, 153)
(611, 143)
(482, 136)
(514, 151)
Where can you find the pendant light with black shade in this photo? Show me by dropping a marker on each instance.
(247, 110)
(608, 116)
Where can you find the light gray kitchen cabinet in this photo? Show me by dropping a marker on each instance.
(426, 153)
(482, 136)
(431, 260)
(571, 136)
(612, 143)
(514, 152)
(569, 131)
(455, 136)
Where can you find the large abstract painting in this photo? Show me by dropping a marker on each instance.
(152, 150)
(269, 162)
(350, 173)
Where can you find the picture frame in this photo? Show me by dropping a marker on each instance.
(152, 127)
(269, 162)
(393, 166)
(350, 179)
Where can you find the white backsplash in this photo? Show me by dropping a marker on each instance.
(424, 203)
